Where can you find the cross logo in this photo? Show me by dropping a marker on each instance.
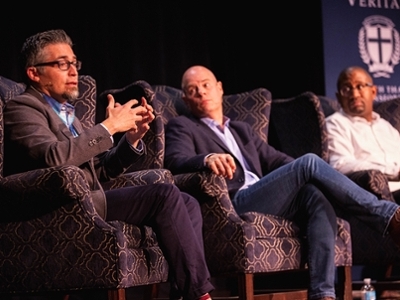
(379, 45)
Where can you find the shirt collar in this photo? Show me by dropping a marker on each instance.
(59, 107)
(211, 122)
(375, 117)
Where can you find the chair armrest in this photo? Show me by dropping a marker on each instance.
(373, 181)
(33, 193)
(48, 220)
(45, 193)
(223, 228)
(212, 193)
(143, 177)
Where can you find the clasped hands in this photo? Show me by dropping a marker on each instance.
(221, 164)
(126, 118)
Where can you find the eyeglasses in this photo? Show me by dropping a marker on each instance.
(347, 90)
(62, 64)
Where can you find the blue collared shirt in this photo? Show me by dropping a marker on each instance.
(226, 136)
(65, 111)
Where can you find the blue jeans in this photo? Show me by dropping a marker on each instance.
(309, 191)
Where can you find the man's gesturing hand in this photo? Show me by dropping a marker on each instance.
(121, 118)
(135, 134)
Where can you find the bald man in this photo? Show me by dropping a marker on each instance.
(262, 179)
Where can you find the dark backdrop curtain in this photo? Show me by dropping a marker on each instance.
(248, 44)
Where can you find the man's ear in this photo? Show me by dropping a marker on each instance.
(33, 74)
(219, 84)
(374, 91)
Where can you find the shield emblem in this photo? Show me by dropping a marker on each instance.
(379, 45)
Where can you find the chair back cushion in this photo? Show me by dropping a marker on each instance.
(85, 104)
(252, 107)
(390, 111)
(9, 89)
(297, 126)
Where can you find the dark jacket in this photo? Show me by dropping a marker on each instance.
(189, 140)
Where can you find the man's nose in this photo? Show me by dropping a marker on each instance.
(72, 71)
(201, 90)
(355, 90)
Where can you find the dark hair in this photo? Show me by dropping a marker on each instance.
(31, 51)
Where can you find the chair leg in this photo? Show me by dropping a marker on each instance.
(246, 286)
(116, 294)
(344, 290)
(389, 270)
(246, 291)
(151, 291)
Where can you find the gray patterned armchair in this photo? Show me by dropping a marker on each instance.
(51, 239)
(252, 244)
(297, 126)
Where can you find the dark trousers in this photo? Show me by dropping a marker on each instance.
(176, 219)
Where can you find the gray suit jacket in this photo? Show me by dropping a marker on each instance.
(36, 137)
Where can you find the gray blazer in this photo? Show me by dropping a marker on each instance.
(36, 137)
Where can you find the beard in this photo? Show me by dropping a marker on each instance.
(71, 94)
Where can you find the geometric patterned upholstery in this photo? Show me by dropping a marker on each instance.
(252, 243)
(252, 107)
(9, 89)
(51, 238)
(245, 106)
(389, 110)
(302, 126)
(85, 104)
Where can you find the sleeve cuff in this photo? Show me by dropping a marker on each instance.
(111, 137)
(140, 147)
(204, 160)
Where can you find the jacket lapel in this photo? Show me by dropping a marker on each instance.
(210, 134)
(248, 156)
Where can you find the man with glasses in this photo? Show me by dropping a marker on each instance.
(359, 139)
(305, 190)
(41, 131)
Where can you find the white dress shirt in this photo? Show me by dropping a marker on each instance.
(356, 144)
